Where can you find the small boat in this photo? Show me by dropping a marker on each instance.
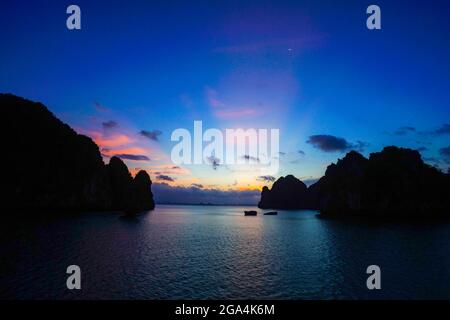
(250, 213)
(271, 213)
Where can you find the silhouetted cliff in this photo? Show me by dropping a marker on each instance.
(121, 183)
(394, 182)
(287, 192)
(142, 197)
(342, 185)
(48, 166)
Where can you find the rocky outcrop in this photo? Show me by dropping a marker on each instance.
(48, 166)
(286, 193)
(141, 193)
(341, 187)
(394, 182)
(121, 183)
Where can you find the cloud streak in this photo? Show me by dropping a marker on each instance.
(250, 158)
(152, 135)
(266, 178)
(405, 130)
(215, 162)
(133, 157)
(110, 141)
(109, 124)
(164, 177)
(444, 129)
(329, 143)
(223, 110)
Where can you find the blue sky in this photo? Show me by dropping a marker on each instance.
(309, 68)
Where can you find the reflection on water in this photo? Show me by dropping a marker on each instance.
(215, 252)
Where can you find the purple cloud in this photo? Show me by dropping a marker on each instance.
(164, 177)
(152, 135)
(134, 157)
(266, 178)
(329, 143)
(215, 162)
(109, 124)
(444, 129)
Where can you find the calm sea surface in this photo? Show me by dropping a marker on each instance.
(195, 252)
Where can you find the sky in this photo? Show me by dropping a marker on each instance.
(137, 71)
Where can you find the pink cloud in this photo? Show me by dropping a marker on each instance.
(111, 141)
(169, 169)
(224, 111)
(229, 114)
(130, 150)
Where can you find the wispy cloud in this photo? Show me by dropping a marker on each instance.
(266, 178)
(133, 157)
(250, 158)
(215, 162)
(224, 110)
(405, 130)
(152, 135)
(109, 124)
(164, 177)
(444, 129)
(329, 143)
(124, 146)
(125, 150)
(110, 141)
(169, 170)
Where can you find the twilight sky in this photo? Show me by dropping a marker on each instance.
(135, 72)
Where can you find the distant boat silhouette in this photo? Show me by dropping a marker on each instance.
(271, 213)
(250, 213)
